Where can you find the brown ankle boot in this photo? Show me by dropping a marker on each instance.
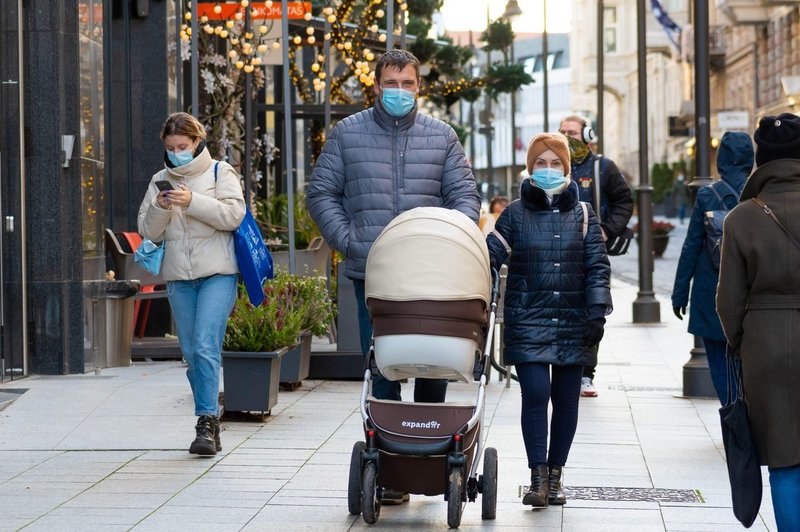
(556, 495)
(538, 493)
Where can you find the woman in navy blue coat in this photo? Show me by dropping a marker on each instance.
(695, 266)
(556, 299)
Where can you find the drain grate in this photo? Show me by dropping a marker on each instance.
(628, 494)
(646, 388)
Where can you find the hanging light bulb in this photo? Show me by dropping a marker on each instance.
(229, 24)
(370, 56)
(307, 16)
(203, 19)
(256, 60)
(224, 34)
(239, 64)
(348, 45)
(276, 45)
(331, 18)
(348, 61)
(297, 39)
(208, 29)
(374, 28)
(232, 54)
(310, 30)
(327, 11)
(263, 29)
(238, 15)
(248, 68)
(188, 15)
(268, 4)
(245, 3)
(322, 75)
(327, 36)
(311, 39)
(382, 37)
(379, 13)
(217, 9)
(234, 41)
(262, 48)
(218, 30)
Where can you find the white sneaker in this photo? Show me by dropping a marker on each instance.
(587, 388)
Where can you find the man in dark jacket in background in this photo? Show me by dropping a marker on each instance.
(616, 200)
(734, 163)
(377, 164)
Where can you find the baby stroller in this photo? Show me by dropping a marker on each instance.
(432, 300)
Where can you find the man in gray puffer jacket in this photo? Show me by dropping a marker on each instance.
(377, 164)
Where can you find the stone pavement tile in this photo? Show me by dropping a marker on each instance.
(257, 485)
(24, 506)
(95, 498)
(702, 519)
(301, 517)
(221, 498)
(88, 519)
(135, 484)
(336, 498)
(244, 472)
(612, 520)
(143, 431)
(171, 523)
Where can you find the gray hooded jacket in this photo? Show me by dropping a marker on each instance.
(375, 166)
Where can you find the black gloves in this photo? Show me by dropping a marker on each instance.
(680, 312)
(594, 331)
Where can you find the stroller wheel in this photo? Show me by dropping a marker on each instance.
(354, 483)
(370, 501)
(488, 484)
(455, 495)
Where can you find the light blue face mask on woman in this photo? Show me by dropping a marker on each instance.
(397, 102)
(180, 158)
(548, 178)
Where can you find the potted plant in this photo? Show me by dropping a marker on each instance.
(317, 310)
(660, 229)
(256, 339)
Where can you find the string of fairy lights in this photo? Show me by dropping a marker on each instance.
(248, 50)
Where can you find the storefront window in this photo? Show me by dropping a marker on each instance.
(89, 148)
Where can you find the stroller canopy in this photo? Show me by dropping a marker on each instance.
(429, 253)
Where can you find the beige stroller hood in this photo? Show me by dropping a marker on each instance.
(429, 253)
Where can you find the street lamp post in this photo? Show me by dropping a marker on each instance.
(600, 76)
(545, 54)
(512, 11)
(696, 375)
(646, 308)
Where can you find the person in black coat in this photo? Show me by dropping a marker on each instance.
(557, 296)
(616, 199)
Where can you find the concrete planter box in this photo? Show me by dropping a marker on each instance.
(251, 380)
(295, 364)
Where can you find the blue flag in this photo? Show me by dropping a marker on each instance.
(671, 28)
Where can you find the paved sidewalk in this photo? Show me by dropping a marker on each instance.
(108, 452)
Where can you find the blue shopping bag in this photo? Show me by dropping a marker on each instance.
(252, 255)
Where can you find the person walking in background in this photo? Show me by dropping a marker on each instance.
(195, 218)
(375, 165)
(679, 195)
(758, 302)
(696, 267)
(496, 206)
(557, 297)
(616, 200)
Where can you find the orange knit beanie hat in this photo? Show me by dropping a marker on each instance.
(556, 142)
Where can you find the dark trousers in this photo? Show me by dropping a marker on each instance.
(715, 353)
(588, 371)
(425, 390)
(537, 391)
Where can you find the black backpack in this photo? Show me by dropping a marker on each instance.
(713, 220)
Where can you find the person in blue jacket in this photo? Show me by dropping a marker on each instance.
(695, 266)
(556, 300)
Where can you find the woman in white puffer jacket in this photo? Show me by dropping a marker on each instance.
(195, 218)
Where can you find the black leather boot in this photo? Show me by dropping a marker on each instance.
(538, 493)
(556, 495)
(217, 442)
(204, 443)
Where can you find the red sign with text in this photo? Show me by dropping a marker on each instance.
(227, 11)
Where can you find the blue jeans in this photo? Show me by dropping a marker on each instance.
(425, 390)
(537, 392)
(784, 485)
(715, 353)
(201, 308)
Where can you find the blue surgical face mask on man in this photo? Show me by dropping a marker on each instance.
(548, 178)
(180, 158)
(397, 102)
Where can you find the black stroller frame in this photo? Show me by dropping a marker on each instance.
(393, 458)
